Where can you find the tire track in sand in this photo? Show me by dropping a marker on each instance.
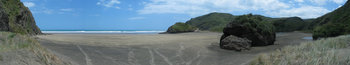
(87, 58)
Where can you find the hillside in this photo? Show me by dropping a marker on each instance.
(217, 21)
(15, 17)
(180, 27)
(332, 24)
(213, 21)
(288, 24)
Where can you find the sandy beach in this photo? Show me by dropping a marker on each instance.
(197, 48)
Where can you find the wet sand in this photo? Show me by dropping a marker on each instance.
(198, 48)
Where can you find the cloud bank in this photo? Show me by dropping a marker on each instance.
(109, 3)
(274, 8)
(29, 4)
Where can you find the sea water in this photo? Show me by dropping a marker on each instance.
(105, 31)
(308, 38)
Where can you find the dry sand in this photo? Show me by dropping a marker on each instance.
(198, 48)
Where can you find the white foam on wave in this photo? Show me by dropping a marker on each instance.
(126, 32)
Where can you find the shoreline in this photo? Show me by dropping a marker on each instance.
(101, 32)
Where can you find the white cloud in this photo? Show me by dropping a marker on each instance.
(323, 2)
(29, 4)
(109, 3)
(319, 2)
(273, 8)
(67, 9)
(48, 11)
(43, 11)
(339, 1)
(198, 7)
(136, 18)
(303, 12)
(299, 0)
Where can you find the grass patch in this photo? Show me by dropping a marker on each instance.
(14, 41)
(11, 35)
(320, 52)
(1, 58)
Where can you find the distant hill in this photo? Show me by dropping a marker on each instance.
(217, 21)
(15, 17)
(180, 27)
(289, 24)
(212, 22)
(332, 24)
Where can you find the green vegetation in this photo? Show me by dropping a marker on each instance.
(329, 30)
(289, 24)
(13, 42)
(255, 23)
(217, 21)
(252, 27)
(181, 27)
(20, 19)
(321, 52)
(212, 22)
(1, 58)
(332, 24)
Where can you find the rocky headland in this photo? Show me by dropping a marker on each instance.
(15, 17)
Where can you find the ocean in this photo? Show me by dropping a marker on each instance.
(104, 32)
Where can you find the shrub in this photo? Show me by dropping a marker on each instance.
(328, 30)
(320, 52)
(15, 41)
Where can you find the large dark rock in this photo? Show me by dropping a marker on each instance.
(180, 27)
(252, 28)
(235, 43)
(15, 17)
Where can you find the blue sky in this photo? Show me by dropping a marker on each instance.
(160, 14)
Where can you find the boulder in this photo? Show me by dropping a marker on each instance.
(180, 27)
(235, 43)
(252, 28)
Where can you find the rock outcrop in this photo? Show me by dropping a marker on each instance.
(4, 20)
(15, 17)
(252, 28)
(235, 43)
(180, 27)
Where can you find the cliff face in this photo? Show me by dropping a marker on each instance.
(15, 17)
(332, 24)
